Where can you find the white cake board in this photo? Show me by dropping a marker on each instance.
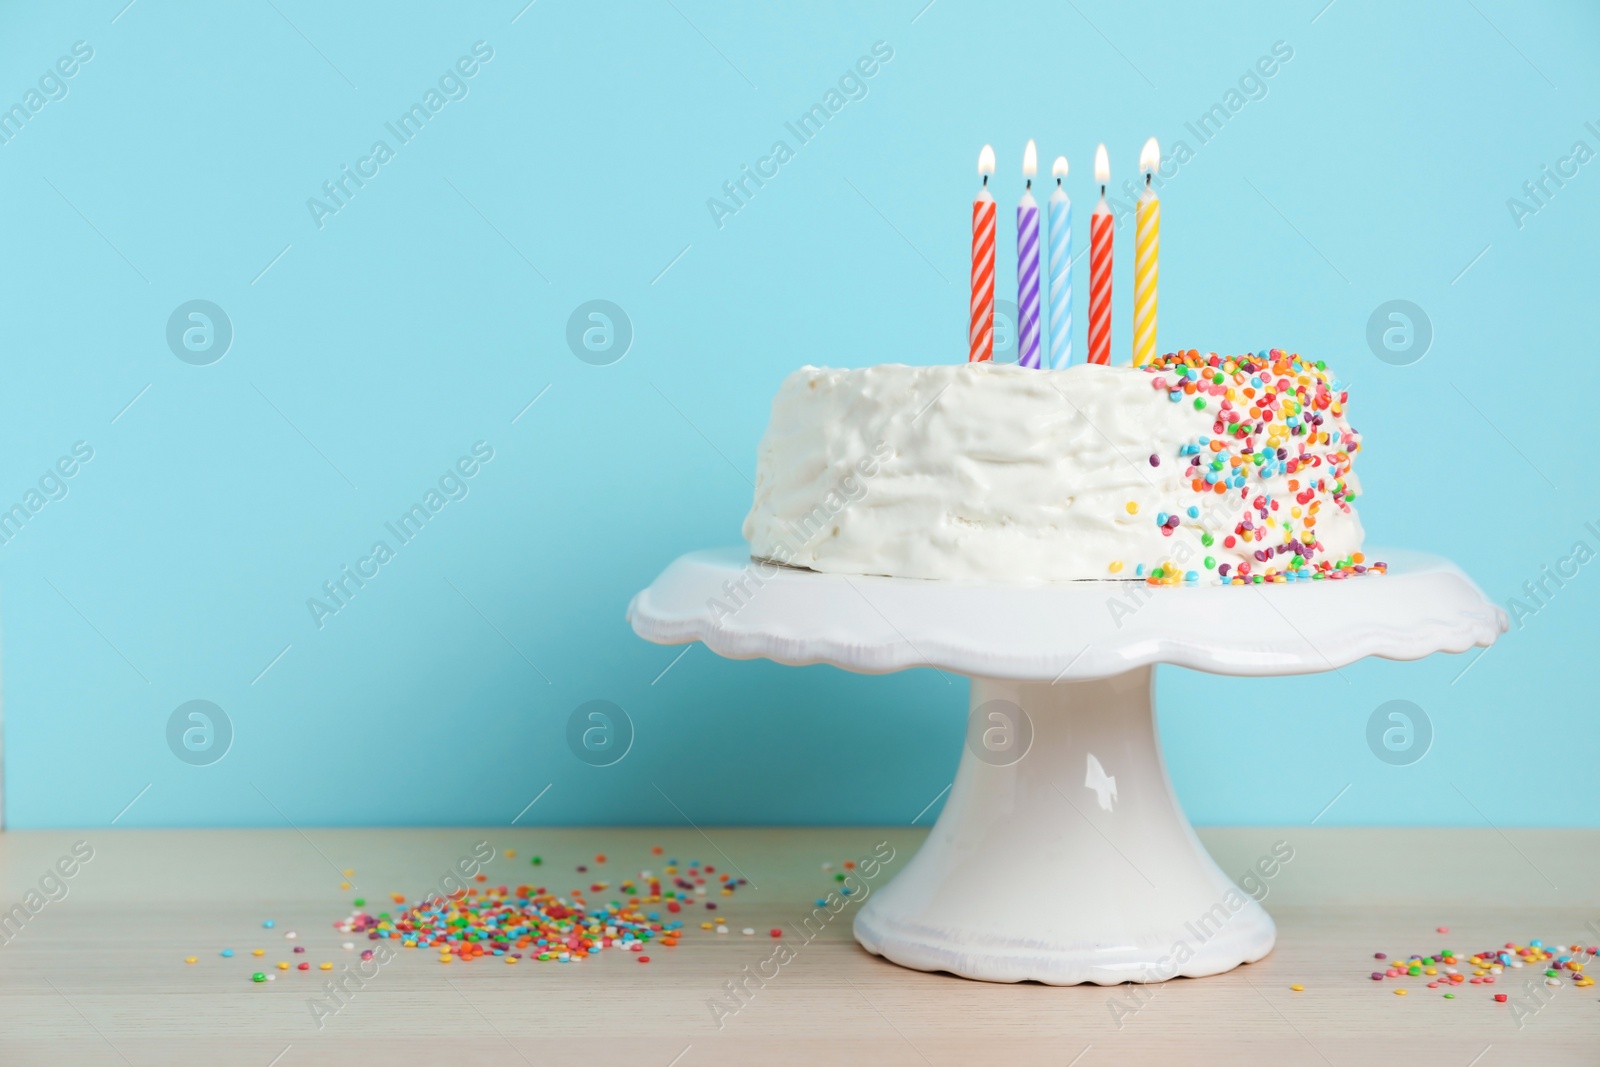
(1062, 855)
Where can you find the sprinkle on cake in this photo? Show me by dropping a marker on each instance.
(1271, 409)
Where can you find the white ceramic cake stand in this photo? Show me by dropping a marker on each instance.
(1063, 858)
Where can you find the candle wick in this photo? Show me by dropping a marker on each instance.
(1029, 185)
(1147, 178)
(986, 181)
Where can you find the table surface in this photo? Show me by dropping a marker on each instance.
(98, 975)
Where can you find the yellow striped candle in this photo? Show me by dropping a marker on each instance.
(1146, 259)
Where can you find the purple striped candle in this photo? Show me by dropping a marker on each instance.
(1028, 265)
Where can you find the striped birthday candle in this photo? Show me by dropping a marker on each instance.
(980, 336)
(1101, 229)
(1060, 270)
(1146, 259)
(1028, 265)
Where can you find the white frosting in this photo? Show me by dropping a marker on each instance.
(985, 472)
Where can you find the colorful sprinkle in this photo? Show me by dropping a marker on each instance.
(530, 922)
(1556, 961)
(1278, 424)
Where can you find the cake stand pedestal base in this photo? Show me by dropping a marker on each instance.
(1062, 855)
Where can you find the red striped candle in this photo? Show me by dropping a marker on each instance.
(1101, 228)
(981, 333)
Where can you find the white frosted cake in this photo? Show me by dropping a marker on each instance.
(1190, 469)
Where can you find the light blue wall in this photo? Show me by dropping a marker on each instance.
(426, 314)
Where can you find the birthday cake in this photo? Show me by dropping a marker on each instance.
(1189, 469)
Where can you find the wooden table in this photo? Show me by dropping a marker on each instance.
(98, 975)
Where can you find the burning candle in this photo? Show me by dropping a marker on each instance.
(1060, 269)
(1101, 228)
(1146, 259)
(981, 334)
(1028, 265)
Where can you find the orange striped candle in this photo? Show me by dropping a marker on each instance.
(980, 334)
(1101, 229)
(1146, 259)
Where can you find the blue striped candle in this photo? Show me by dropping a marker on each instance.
(1060, 215)
(1028, 266)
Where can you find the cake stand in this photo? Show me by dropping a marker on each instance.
(1062, 855)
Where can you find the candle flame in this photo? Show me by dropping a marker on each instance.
(1058, 169)
(1150, 157)
(1030, 159)
(986, 160)
(1102, 166)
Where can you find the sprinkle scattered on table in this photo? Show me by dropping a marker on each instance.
(1443, 968)
(535, 923)
(528, 921)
